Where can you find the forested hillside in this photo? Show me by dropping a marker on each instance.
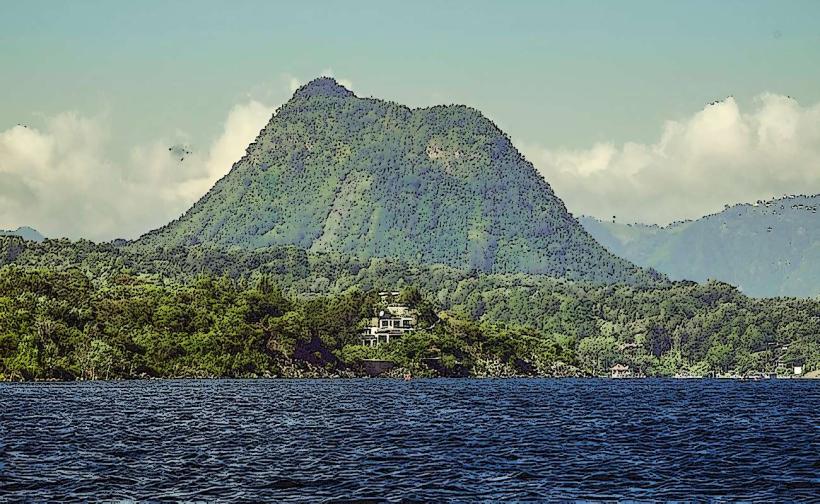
(70, 310)
(770, 248)
(332, 172)
(24, 232)
(273, 271)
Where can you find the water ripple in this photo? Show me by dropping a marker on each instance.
(420, 441)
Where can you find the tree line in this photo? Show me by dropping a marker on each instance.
(64, 323)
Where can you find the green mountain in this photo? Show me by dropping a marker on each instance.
(770, 248)
(361, 177)
(24, 232)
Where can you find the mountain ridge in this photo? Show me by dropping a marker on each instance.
(332, 172)
(25, 232)
(768, 248)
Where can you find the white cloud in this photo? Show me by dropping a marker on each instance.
(719, 155)
(242, 126)
(293, 84)
(63, 180)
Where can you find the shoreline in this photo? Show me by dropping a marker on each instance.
(400, 379)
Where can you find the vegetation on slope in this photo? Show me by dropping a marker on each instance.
(97, 311)
(24, 232)
(771, 248)
(335, 173)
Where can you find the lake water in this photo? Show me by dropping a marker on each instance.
(423, 440)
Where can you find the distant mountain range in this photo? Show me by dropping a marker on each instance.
(769, 248)
(24, 232)
(360, 177)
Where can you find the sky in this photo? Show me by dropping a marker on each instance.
(651, 111)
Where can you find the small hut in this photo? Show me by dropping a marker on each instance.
(620, 371)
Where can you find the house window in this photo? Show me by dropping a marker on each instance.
(384, 323)
(406, 322)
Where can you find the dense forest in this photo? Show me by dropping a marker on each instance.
(335, 173)
(72, 310)
(274, 270)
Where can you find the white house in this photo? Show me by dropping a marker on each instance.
(389, 324)
(620, 371)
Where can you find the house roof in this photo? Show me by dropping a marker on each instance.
(396, 312)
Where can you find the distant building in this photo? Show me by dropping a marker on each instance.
(798, 370)
(620, 371)
(390, 322)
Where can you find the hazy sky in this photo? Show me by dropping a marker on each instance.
(608, 99)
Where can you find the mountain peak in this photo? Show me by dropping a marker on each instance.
(24, 232)
(374, 179)
(323, 86)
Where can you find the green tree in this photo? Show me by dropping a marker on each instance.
(597, 354)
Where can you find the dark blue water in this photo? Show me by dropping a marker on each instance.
(424, 440)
